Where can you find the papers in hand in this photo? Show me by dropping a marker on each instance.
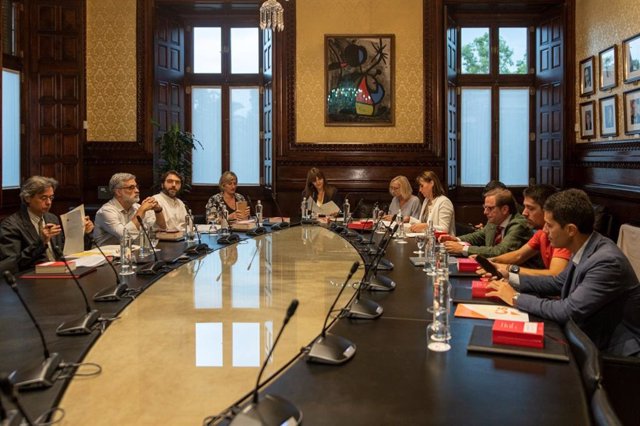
(326, 209)
(492, 312)
(73, 228)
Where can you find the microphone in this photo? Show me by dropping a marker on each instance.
(200, 247)
(10, 418)
(282, 224)
(43, 376)
(155, 266)
(372, 280)
(228, 239)
(259, 229)
(112, 293)
(84, 324)
(330, 348)
(273, 409)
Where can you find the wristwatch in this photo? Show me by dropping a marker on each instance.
(514, 299)
(514, 269)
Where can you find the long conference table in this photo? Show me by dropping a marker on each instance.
(192, 343)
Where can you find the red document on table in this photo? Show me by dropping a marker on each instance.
(518, 333)
(479, 289)
(467, 265)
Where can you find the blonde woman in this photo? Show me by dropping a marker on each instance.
(403, 199)
(436, 206)
(234, 202)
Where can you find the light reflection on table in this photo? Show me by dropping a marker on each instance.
(192, 343)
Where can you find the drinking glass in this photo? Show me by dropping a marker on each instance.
(421, 240)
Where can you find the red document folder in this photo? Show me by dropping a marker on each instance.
(479, 289)
(516, 333)
(363, 225)
(467, 265)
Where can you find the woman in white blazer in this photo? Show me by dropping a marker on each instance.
(435, 207)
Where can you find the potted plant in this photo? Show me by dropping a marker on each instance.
(175, 147)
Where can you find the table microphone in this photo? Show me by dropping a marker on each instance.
(272, 409)
(259, 229)
(10, 418)
(200, 247)
(155, 266)
(43, 376)
(372, 280)
(84, 324)
(330, 348)
(282, 224)
(113, 293)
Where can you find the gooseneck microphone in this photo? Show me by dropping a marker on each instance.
(112, 293)
(84, 324)
(272, 409)
(372, 280)
(155, 266)
(330, 348)
(43, 376)
(282, 224)
(10, 419)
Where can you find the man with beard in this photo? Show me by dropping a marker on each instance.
(173, 208)
(30, 235)
(123, 210)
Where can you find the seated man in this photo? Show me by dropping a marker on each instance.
(33, 235)
(506, 229)
(122, 211)
(555, 259)
(173, 209)
(598, 289)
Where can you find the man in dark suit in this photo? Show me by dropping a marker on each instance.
(598, 289)
(30, 235)
(506, 229)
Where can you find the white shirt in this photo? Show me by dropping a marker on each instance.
(174, 211)
(112, 219)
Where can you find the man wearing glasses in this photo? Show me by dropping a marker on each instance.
(506, 229)
(30, 235)
(123, 210)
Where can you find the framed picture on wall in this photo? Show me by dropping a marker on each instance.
(588, 120)
(631, 58)
(609, 116)
(632, 111)
(587, 85)
(359, 80)
(608, 68)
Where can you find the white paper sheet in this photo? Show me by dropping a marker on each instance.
(73, 228)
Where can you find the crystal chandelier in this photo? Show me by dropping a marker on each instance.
(272, 15)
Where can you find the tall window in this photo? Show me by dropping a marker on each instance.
(495, 105)
(225, 103)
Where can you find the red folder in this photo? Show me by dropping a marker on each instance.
(479, 289)
(516, 333)
(364, 225)
(467, 265)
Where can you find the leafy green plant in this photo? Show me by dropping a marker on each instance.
(175, 147)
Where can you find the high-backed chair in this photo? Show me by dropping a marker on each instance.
(620, 377)
(629, 243)
(586, 355)
(602, 412)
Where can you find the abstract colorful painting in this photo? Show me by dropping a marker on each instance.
(359, 79)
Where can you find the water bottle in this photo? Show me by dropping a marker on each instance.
(400, 221)
(303, 209)
(439, 331)
(224, 220)
(126, 254)
(442, 260)
(188, 228)
(430, 250)
(143, 242)
(376, 212)
(258, 213)
(346, 209)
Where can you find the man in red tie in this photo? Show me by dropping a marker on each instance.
(506, 229)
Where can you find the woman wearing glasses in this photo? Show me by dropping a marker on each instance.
(403, 199)
(235, 203)
(436, 206)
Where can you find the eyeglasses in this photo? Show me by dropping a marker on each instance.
(130, 187)
(46, 197)
(490, 208)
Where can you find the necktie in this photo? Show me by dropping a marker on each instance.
(49, 252)
(498, 237)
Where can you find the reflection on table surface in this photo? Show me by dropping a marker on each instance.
(192, 344)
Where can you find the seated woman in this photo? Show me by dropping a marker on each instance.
(435, 207)
(318, 191)
(403, 200)
(235, 203)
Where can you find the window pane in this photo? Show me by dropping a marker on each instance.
(245, 134)
(475, 50)
(244, 51)
(514, 136)
(475, 161)
(207, 48)
(513, 50)
(10, 129)
(207, 128)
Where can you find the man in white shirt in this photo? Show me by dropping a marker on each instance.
(173, 208)
(123, 210)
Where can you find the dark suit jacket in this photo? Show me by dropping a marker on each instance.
(516, 234)
(20, 242)
(601, 294)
